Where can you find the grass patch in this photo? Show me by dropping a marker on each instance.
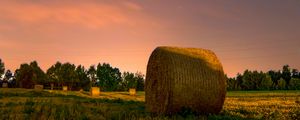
(29, 104)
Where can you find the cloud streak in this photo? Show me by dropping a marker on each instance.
(92, 15)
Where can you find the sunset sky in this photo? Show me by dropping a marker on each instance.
(253, 34)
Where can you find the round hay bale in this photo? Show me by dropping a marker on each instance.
(132, 91)
(95, 91)
(38, 87)
(65, 88)
(181, 78)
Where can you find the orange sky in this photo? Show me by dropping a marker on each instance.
(255, 35)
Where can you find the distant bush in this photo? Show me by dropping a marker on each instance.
(295, 84)
(285, 79)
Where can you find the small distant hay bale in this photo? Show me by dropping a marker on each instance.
(181, 78)
(132, 91)
(95, 91)
(38, 87)
(65, 88)
(4, 85)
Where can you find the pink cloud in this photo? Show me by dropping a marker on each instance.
(132, 6)
(92, 15)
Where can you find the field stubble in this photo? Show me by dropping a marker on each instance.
(30, 104)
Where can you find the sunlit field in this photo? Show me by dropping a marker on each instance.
(31, 104)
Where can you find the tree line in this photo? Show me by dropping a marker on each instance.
(105, 76)
(284, 79)
(110, 78)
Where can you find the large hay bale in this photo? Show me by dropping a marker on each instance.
(132, 91)
(95, 91)
(184, 78)
(38, 87)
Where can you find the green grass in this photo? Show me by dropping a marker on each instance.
(30, 104)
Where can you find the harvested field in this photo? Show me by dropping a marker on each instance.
(31, 104)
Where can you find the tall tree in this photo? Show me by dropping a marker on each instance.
(54, 75)
(231, 83)
(39, 76)
(286, 75)
(82, 74)
(29, 74)
(109, 77)
(140, 81)
(275, 77)
(129, 81)
(295, 73)
(92, 75)
(68, 75)
(2, 68)
(239, 80)
(248, 83)
(8, 75)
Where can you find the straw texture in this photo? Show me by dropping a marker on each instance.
(180, 78)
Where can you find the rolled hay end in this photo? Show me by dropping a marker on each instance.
(180, 78)
(132, 91)
(95, 91)
(65, 88)
(38, 87)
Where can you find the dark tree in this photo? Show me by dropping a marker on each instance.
(29, 74)
(84, 81)
(295, 73)
(54, 74)
(2, 68)
(286, 75)
(39, 76)
(128, 81)
(275, 76)
(8, 75)
(140, 81)
(239, 80)
(131, 80)
(231, 83)
(68, 75)
(92, 75)
(109, 77)
(250, 80)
